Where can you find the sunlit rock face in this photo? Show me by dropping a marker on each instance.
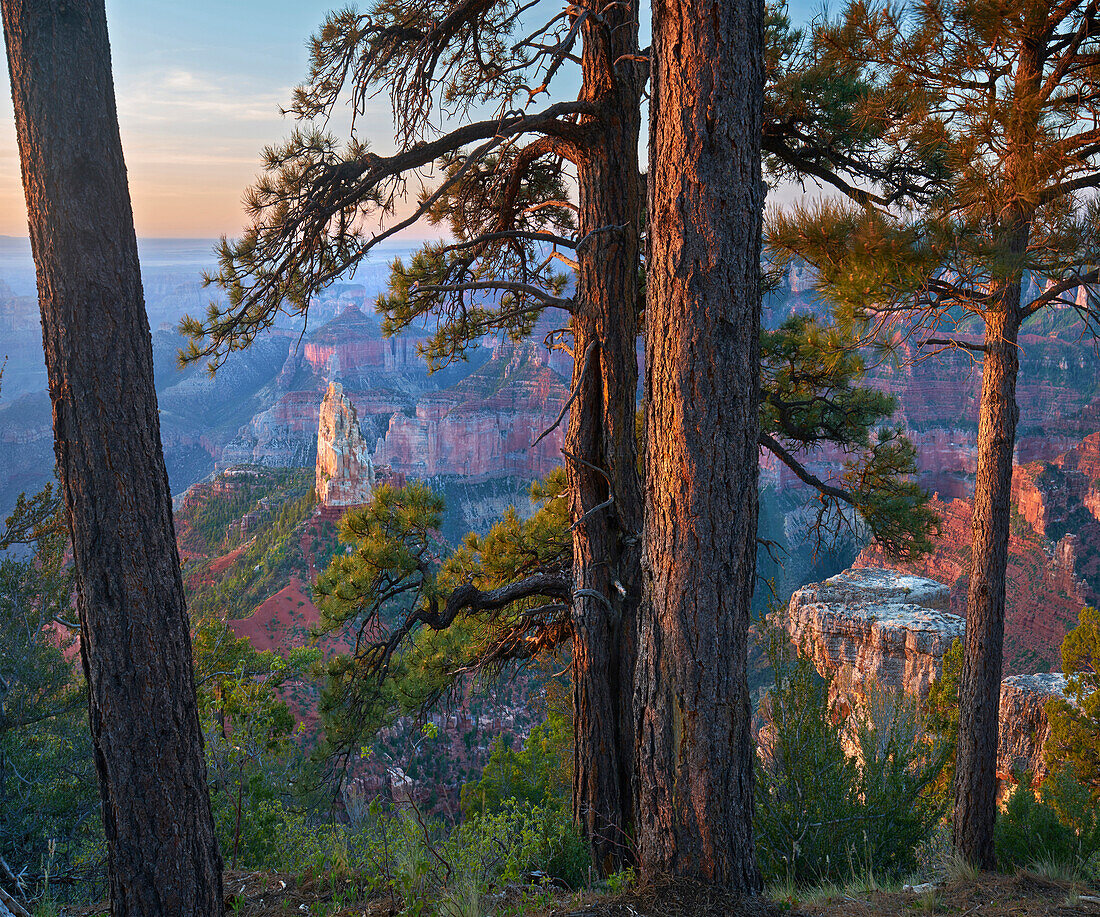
(1053, 553)
(1024, 726)
(874, 627)
(501, 420)
(872, 630)
(345, 474)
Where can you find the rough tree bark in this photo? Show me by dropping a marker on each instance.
(135, 644)
(694, 748)
(601, 451)
(980, 681)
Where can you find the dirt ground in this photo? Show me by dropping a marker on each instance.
(1023, 895)
(991, 895)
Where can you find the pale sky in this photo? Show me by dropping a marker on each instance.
(199, 86)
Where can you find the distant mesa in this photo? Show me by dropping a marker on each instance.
(345, 473)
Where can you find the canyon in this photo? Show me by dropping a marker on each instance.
(475, 419)
(475, 429)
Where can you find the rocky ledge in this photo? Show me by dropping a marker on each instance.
(1024, 727)
(872, 628)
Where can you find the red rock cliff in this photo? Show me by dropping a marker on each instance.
(485, 426)
(345, 474)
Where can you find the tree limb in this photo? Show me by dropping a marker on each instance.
(952, 342)
(508, 286)
(773, 445)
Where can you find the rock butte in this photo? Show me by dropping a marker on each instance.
(345, 474)
(872, 628)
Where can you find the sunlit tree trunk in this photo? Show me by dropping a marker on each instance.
(980, 682)
(135, 644)
(998, 414)
(694, 748)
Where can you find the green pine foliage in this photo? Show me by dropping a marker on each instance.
(249, 731)
(818, 102)
(539, 774)
(526, 281)
(392, 563)
(812, 396)
(502, 186)
(49, 801)
(1074, 803)
(1074, 740)
(1028, 830)
(1057, 825)
(822, 814)
(995, 102)
(388, 588)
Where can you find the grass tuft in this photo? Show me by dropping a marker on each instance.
(1054, 869)
(930, 901)
(958, 869)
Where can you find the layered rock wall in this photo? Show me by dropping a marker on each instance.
(486, 426)
(1054, 553)
(1024, 726)
(874, 627)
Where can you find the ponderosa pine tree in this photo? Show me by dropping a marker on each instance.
(706, 199)
(503, 189)
(135, 644)
(1006, 96)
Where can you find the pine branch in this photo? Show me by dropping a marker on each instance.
(1063, 286)
(1070, 186)
(1068, 55)
(773, 445)
(589, 350)
(523, 289)
(548, 237)
(952, 342)
(466, 599)
(292, 252)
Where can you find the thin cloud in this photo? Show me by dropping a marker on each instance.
(164, 96)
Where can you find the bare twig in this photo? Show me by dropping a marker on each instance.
(576, 391)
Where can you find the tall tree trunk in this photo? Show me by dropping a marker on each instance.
(980, 682)
(998, 414)
(600, 443)
(694, 748)
(135, 644)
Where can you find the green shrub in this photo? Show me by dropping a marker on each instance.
(1058, 826)
(1028, 830)
(540, 773)
(1075, 725)
(424, 869)
(1074, 801)
(821, 816)
(516, 841)
(898, 789)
